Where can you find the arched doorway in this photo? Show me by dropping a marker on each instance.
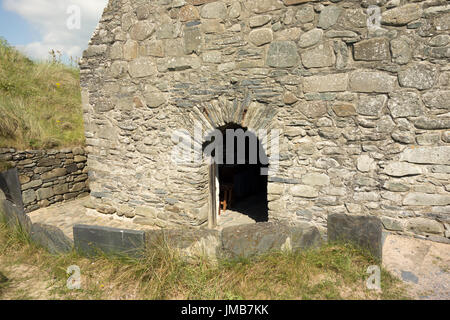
(238, 181)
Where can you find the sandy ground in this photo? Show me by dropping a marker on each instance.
(422, 264)
(26, 282)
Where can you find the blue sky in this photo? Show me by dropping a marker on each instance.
(38, 26)
(15, 29)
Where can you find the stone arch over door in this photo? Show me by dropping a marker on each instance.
(257, 118)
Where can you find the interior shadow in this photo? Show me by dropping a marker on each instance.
(240, 173)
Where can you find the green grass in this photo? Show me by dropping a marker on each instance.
(330, 272)
(40, 102)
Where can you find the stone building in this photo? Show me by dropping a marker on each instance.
(359, 91)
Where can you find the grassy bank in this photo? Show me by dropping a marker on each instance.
(40, 102)
(331, 272)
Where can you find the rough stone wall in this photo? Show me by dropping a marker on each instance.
(49, 176)
(364, 113)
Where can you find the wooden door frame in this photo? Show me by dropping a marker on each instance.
(214, 194)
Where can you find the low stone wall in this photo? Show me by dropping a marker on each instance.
(236, 241)
(49, 176)
(13, 214)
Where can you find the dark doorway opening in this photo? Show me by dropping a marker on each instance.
(243, 187)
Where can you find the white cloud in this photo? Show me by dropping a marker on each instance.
(50, 18)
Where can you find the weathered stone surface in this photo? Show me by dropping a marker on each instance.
(183, 63)
(403, 137)
(402, 15)
(116, 51)
(142, 30)
(275, 188)
(432, 124)
(29, 196)
(199, 2)
(310, 38)
(79, 158)
(364, 163)
(118, 69)
(92, 239)
(392, 224)
(142, 67)
(396, 186)
(427, 155)
(214, 10)
(58, 172)
(263, 6)
(420, 76)
(258, 21)
(402, 169)
(252, 239)
(366, 196)
(441, 22)
(294, 2)
(51, 238)
(305, 14)
(372, 50)
(316, 179)
(370, 105)
(45, 193)
(319, 56)
(188, 13)
(304, 191)
(291, 34)
(329, 16)
(365, 231)
(428, 139)
(142, 12)
(174, 47)
(426, 199)
(446, 136)
(130, 50)
(190, 242)
(423, 225)
(212, 57)
(401, 50)
(328, 83)
(166, 31)
(235, 10)
(192, 40)
(405, 104)
(212, 26)
(344, 109)
(282, 54)
(63, 188)
(439, 99)
(313, 109)
(260, 37)
(154, 99)
(10, 186)
(372, 82)
(96, 50)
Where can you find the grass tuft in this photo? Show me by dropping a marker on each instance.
(336, 271)
(40, 102)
